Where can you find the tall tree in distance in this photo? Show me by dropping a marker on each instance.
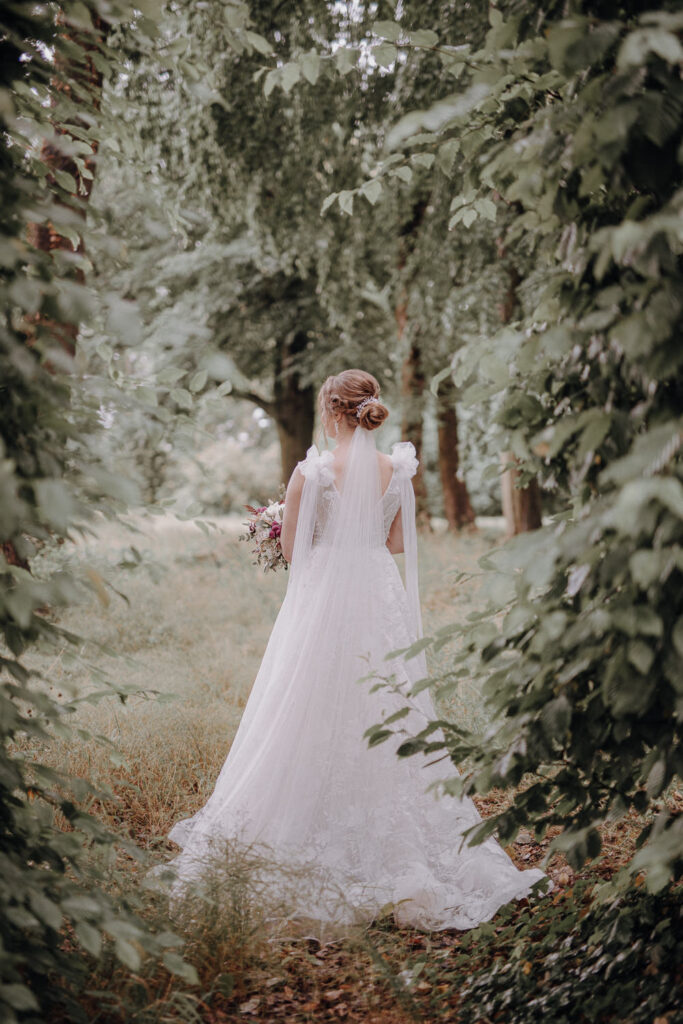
(522, 507)
(456, 500)
(272, 295)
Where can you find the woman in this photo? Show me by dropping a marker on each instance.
(300, 777)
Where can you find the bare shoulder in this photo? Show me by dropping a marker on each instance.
(296, 482)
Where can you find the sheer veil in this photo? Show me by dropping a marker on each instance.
(340, 556)
(342, 552)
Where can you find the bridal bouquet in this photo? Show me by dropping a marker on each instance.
(263, 529)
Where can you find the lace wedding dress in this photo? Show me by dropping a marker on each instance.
(300, 778)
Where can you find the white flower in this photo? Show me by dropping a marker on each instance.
(317, 464)
(403, 458)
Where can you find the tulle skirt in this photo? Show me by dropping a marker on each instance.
(300, 781)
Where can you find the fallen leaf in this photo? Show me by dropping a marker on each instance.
(251, 1005)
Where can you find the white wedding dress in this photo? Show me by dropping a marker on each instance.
(300, 778)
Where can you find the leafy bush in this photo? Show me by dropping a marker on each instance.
(55, 913)
(614, 962)
(581, 650)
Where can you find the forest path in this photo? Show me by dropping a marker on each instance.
(184, 613)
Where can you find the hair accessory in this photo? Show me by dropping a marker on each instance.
(366, 401)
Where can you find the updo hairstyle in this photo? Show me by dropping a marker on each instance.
(345, 392)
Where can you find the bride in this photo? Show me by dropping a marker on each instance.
(300, 778)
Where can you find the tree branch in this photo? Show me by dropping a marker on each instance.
(266, 404)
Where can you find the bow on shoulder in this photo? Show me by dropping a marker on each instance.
(317, 465)
(404, 458)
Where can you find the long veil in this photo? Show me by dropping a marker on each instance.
(351, 535)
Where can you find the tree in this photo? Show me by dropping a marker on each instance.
(281, 296)
(50, 485)
(457, 505)
(583, 673)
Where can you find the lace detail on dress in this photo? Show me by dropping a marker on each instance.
(391, 503)
(317, 466)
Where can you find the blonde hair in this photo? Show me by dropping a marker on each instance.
(345, 391)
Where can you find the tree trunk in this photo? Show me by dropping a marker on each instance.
(293, 406)
(412, 373)
(521, 506)
(456, 500)
(412, 389)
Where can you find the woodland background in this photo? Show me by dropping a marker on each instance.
(207, 208)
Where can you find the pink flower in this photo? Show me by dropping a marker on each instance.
(275, 530)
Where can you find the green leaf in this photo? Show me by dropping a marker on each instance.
(385, 54)
(397, 716)
(170, 374)
(146, 395)
(46, 910)
(67, 181)
(447, 154)
(423, 159)
(19, 997)
(646, 566)
(78, 905)
(387, 30)
(345, 58)
(310, 65)
(639, 44)
(372, 190)
(290, 75)
(257, 42)
(626, 514)
(89, 937)
(182, 398)
(495, 370)
(327, 202)
(423, 37)
(641, 656)
(404, 173)
(271, 80)
(123, 320)
(346, 201)
(198, 380)
(128, 954)
(486, 207)
(56, 502)
(176, 965)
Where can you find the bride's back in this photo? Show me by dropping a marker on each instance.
(340, 457)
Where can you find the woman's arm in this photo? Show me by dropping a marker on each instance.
(291, 513)
(395, 538)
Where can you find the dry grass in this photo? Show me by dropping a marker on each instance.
(192, 628)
